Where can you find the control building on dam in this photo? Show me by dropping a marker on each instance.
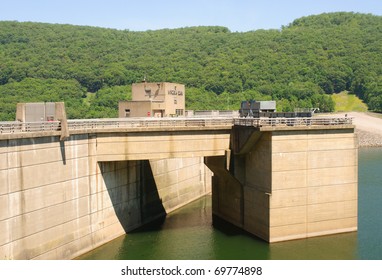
(68, 186)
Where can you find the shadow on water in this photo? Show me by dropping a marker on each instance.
(150, 227)
(190, 233)
(234, 243)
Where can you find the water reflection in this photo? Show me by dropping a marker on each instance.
(369, 204)
(332, 247)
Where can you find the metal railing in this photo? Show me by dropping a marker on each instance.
(97, 124)
(261, 122)
(18, 127)
(148, 123)
(136, 123)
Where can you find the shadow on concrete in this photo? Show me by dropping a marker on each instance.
(230, 229)
(151, 204)
(133, 193)
(63, 153)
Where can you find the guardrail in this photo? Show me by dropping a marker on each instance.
(148, 122)
(94, 124)
(18, 127)
(260, 122)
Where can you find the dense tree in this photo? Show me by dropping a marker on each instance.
(91, 68)
(41, 90)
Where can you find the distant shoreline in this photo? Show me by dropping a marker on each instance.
(368, 139)
(368, 127)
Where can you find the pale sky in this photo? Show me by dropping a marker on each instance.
(237, 15)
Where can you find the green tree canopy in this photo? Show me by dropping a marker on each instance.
(91, 68)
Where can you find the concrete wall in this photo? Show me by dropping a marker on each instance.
(148, 91)
(136, 109)
(258, 186)
(57, 201)
(227, 192)
(180, 180)
(45, 196)
(294, 183)
(301, 184)
(162, 144)
(175, 98)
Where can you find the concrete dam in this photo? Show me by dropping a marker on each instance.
(68, 188)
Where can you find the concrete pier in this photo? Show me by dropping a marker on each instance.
(296, 183)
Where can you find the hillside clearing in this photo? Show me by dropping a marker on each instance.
(347, 102)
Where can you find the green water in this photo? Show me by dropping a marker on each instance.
(191, 234)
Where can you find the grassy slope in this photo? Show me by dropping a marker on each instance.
(346, 102)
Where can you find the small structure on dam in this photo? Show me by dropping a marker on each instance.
(39, 111)
(154, 100)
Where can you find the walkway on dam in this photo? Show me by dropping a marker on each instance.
(12, 130)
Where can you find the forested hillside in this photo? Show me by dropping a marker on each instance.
(91, 69)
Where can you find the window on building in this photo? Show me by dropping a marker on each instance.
(127, 112)
(179, 112)
(175, 101)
